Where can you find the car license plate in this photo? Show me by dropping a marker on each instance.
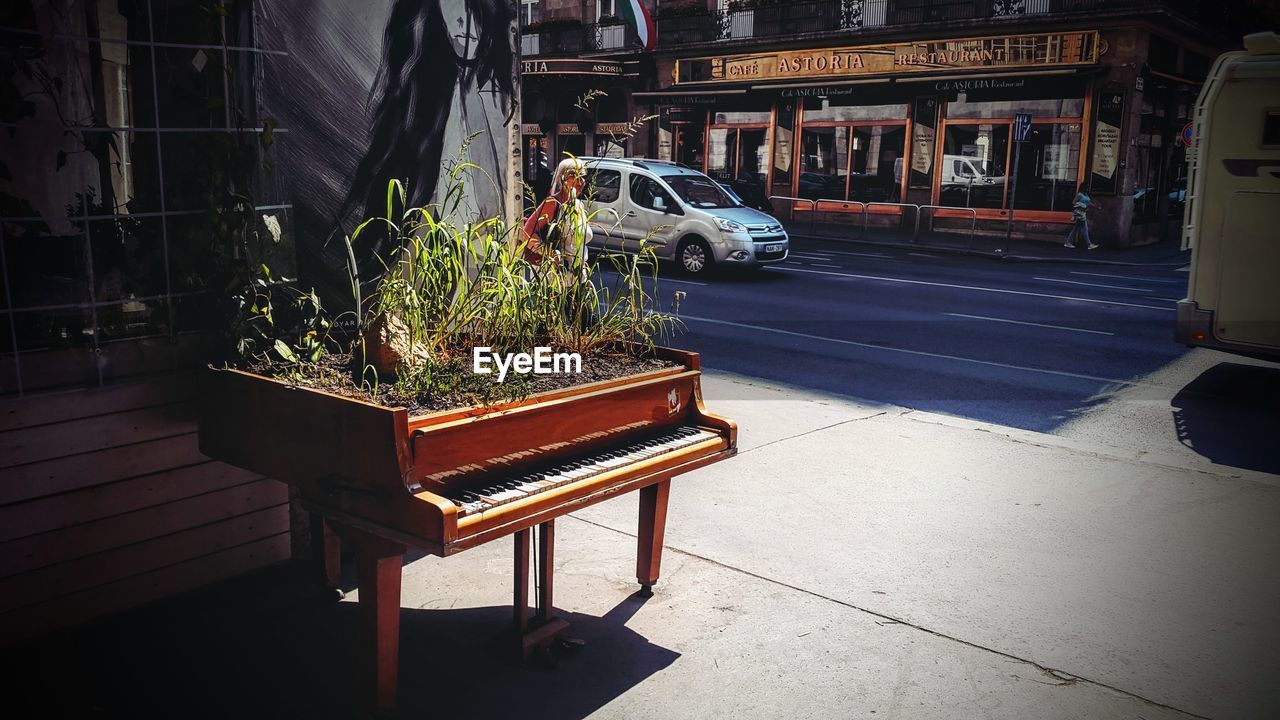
(776, 247)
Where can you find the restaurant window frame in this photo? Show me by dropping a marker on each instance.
(945, 121)
(901, 123)
(736, 128)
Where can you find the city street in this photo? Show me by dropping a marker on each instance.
(1080, 350)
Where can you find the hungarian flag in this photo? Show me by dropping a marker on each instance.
(640, 18)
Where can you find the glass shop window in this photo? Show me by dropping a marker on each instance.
(783, 148)
(972, 173)
(1049, 168)
(876, 158)
(824, 162)
(1001, 109)
(824, 111)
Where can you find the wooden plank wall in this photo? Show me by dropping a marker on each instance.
(106, 503)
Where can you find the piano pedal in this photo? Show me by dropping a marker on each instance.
(572, 644)
(541, 638)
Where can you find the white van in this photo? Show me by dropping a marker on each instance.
(962, 169)
(1232, 214)
(682, 215)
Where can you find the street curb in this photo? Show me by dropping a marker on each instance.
(995, 255)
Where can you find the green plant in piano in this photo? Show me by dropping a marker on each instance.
(451, 282)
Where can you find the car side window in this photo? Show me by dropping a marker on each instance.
(644, 190)
(604, 186)
(962, 168)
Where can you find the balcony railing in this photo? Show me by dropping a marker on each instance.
(573, 39)
(607, 36)
(810, 16)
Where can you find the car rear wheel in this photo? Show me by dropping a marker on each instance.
(695, 256)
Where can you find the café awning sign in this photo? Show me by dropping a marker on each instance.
(1037, 50)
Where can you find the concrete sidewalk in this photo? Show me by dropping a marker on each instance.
(852, 561)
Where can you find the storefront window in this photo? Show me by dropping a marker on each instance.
(823, 111)
(783, 148)
(689, 144)
(606, 146)
(824, 162)
(876, 175)
(1042, 108)
(575, 145)
(973, 165)
(751, 117)
(740, 155)
(722, 153)
(1048, 168)
(753, 155)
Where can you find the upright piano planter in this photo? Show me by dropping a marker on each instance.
(383, 479)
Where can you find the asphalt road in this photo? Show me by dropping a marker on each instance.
(1079, 350)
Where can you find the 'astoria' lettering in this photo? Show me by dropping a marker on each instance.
(541, 362)
(820, 63)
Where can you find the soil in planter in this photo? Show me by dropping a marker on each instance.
(455, 385)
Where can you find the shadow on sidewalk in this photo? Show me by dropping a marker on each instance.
(269, 645)
(1250, 395)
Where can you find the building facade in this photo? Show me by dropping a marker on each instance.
(906, 108)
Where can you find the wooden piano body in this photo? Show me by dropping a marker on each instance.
(386, 481)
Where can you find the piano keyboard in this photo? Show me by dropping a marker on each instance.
(492, 492)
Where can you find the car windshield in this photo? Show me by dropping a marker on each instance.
(699, 191)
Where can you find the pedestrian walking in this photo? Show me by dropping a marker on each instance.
(1080, 221)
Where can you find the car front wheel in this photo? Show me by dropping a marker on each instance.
(695, 256)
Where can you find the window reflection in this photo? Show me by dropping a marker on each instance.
(1045, 108)
(973, 166)
(1048, 170)
(826, 112)
(877, 163)
(824, 162)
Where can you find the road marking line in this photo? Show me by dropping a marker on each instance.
(871, 255)
(828, 266)
(1153, 297)
(1127, 277)
(1021, 322)
(974, 287)
(813, 256)
(1077, 282)
(927, 255)
(991, 363)
(792, 262)
(686, 282)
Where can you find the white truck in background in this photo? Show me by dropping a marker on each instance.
(1232, 214)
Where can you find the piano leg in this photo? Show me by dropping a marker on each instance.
(326, 548)
(652, 528)
(546, 570)
(546, 627)
(379, 564)
(520, 600)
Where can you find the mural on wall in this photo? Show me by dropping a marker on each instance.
(369, 91)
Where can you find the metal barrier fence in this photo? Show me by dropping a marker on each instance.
(916, 213)
(867, 213)
(973, 219)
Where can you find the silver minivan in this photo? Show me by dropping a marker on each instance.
(681, 214)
